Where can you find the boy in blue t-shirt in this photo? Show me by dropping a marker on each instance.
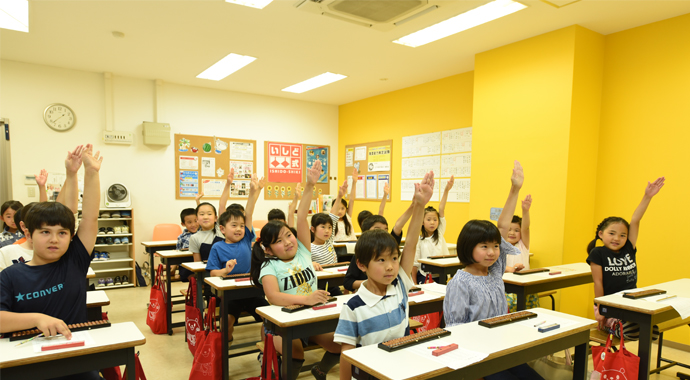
(49, 292)
(233, 255)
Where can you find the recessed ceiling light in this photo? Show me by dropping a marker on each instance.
(312, 83)
(464, 21)
(259, 4)
(226, 66)
(14, 15)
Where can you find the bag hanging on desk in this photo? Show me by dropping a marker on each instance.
(431, 320)
(156, 317)
(270, 370)
(207, 363)
(192, 315)
(611, 365)
(138, 369)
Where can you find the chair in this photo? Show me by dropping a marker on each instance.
(259, 224)
(166, 231)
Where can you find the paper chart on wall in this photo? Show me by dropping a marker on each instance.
(380, 159)
(382, 181)
(360, 187)
(208, 167)
(243, 169)
(188, 183)
(422, 145)
(418, 167)
(458, 165)
(189, 163)
(349, 185)
(407, 190)
(349, 157)
(457, 140)
(371, 186)
(240, 189)
(213, 187)
(460, 191)
(361, 153)
(241, 151)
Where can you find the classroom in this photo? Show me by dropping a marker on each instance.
(587, 95)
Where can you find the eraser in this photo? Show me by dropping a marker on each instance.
(549, 327)
(552, 273)
(59, 346)
(326, 306)
(445, 349)
(242, 279)
(342, 270)
(415, 293)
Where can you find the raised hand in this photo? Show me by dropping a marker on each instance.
(199, 196)
(253, 184)
(262, 183)
(91, 161)
(354, 174)
(518, 176)
(386, 190)
(425, 190)
(298, 191)
(342, 190)
(41, 178)
(74, 159)
(314, 173)
(231, 175)
(450, 183)
(527, 203)
(654, 187)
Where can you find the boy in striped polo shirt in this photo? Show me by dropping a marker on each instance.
(385, 290)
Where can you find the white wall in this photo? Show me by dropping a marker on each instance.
(148, 171)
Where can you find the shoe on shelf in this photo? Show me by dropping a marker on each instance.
(125, 229)
(109, 281)
(117, 281)
(101, 231)
(105, 215)
(125, 280)
(109, 241)
(105, 256)
(97, 256)
(109, 230)
(117, 241)
(115, 214)
(101, 283)
(117, 229)
(125, 214)
(100, 240)
(124, 240)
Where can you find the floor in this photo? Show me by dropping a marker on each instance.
(167, 357)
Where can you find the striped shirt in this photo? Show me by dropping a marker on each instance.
(472, 298)
(325, 253)
(368, 318)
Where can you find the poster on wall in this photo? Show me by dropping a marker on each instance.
(383, 180)
(241, 151)
(189, 183)
(243, 169)
(213, 187)
(284, 162)
(380, 159)
(318, 153)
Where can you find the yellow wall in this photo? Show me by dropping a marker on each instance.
(435, 106)
(644, 134)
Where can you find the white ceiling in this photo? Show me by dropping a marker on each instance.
(176, 40)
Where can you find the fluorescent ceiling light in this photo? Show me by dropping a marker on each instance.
(259, 4)
(226, 66)
(14, 15)
(312, 83)
(470, 19)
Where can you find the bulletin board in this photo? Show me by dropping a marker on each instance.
(202, 163)
(285, 165)
(374, 162)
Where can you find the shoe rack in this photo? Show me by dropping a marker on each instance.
(122, 261)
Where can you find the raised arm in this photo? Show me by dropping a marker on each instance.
(524, 228)
(422, 193)
(444, 198)
(386, 191)
(255, 187)
(650, 191)
(506, 216)
(69, 195)
(292, 206)
(342, 191)
(222, 203)
(41, 179)
(88, 227)
(400, 223)
(303, 232)
(351, 205)
(198, 198)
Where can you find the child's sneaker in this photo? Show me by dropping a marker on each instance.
(125, 214)
(117, 241)
(100, 240)
(105, 256)
(109, 281)
(109, 241)
(101, 283)
(105, 215)
(117, 280)
(117, 229)
(125, 229)
(124, 240)
(115, 214)
(109, 230)
(101, 231)
(125, 280)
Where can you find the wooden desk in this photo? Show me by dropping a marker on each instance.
(644, 313)
(95, 300)
(571, 275)
(505, 350)
(90, 273)
(169, 258)
(306, 323)
(442, 267)
(152, 247)
(333, 278)
(199, 270)
(113, 346)
(228, 291)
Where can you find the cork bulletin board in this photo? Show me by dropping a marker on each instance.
(374, 162)
(202, 163)
(285, 165)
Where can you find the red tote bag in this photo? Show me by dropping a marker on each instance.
(614, 365)
(192, 315)
(269, 365)
(431, 320)
(156, 318)
(138, 369)
(207, 363)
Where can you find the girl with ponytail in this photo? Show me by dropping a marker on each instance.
(613, 265)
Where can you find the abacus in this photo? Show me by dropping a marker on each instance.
(530, 271)
(506, 319)
(296, 308)
(643, 293)
(334, 265)
(237, 277)
(442, 257)
(412, 339)
(414, 289)
(26, 334)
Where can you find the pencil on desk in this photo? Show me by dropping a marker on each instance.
(326, 286)
(665, 298)
(30, 339)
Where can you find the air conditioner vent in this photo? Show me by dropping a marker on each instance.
(376, 11)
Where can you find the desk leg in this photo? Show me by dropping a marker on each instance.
(521, 299)
(152, 270)
(580, 367)
(286, 370)
(644, 348)
(224, 333)
(168, 305)
(131, 365)
(200, 292)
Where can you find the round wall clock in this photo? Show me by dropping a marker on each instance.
(59, 117)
